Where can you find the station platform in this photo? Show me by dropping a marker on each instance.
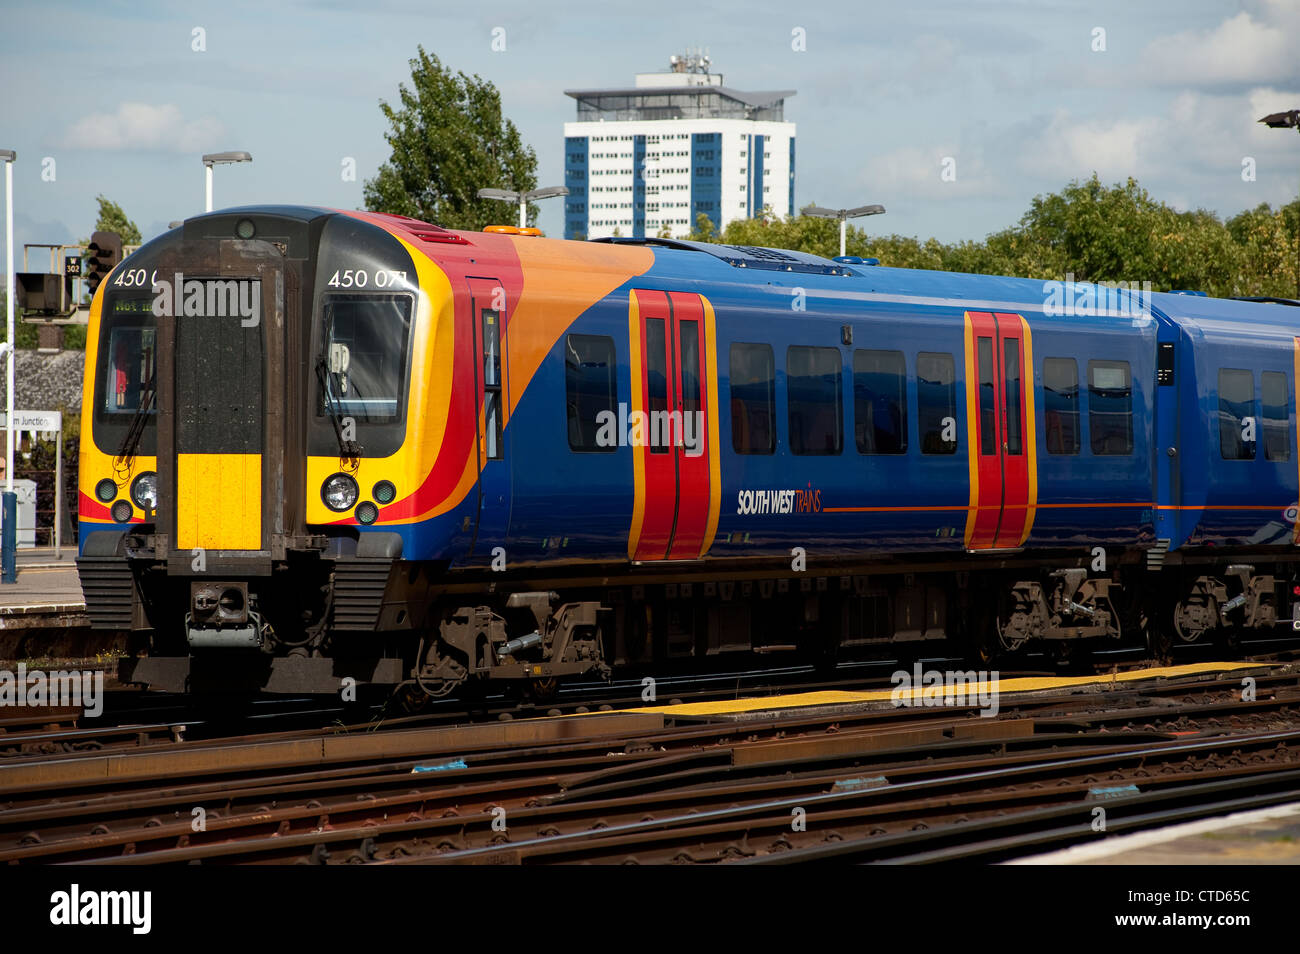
(1264, 836)
(47, 581)
(923, 697)
(47, 594)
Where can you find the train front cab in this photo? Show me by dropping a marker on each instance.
(198, 380)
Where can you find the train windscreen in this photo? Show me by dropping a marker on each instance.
(367, 339)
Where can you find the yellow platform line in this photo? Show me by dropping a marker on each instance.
(1001, 686)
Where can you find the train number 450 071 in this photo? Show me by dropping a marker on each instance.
(360, 278)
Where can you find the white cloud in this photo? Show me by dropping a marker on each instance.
(141, 126)
(915, 172)
(1190, 155)
(1240, 51)
(1070, 147)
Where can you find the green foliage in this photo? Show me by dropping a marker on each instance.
(24, 334)
(113, 219)
(448, 140)
(1094, 232)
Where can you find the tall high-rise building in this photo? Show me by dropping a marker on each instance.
(647, 160)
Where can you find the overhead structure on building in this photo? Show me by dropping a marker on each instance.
(648, 159)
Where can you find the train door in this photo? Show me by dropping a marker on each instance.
(221, 434)
(488, 309)
(1000, 420)
(672, 426)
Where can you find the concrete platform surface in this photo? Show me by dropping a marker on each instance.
(1265, 836)
(44, 579)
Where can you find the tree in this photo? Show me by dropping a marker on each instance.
(1093, 232)
(1270, 246)
(448, 140)
(113, 219)
(25, 334)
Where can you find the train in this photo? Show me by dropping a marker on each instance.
(326, 448)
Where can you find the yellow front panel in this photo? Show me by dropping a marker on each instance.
(219, 501)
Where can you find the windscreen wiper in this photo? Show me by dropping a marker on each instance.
(349, 450)
(126, 451)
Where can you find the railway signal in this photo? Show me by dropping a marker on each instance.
(105, 252)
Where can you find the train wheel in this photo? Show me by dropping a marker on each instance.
(1068, 655)
(543, 691)
(983, 646)
(1227, 640)
(410, 700)
(1160, 645)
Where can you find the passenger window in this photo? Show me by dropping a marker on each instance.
(656, 369)
(1011, 386)
(936, 402)
(1061, 405)
(492, 423)
(988, 399)
(813, 393)
(590, 390)
(1110, 407)
(880, 402)
(1277, 416)
(753, 399)
(1237, 414)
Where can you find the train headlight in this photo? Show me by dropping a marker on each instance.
(144, 491)
(105, 490)
(121, 511)
(367, 513)
(339, 492)
(384, 491)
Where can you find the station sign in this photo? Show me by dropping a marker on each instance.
(40, 421)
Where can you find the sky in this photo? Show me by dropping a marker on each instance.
(1013, 98)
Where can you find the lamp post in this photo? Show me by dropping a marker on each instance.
(843, 215)
(9, 533)
(523, 198)
(215, 159)
(1289, 120)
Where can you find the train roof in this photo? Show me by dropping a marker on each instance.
(748, 265)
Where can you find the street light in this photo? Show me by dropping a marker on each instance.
(9, 538)
(523, 198)
(843, 215)
(220, 158)
(1289, 120)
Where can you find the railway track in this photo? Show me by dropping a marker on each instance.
(639, 787)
